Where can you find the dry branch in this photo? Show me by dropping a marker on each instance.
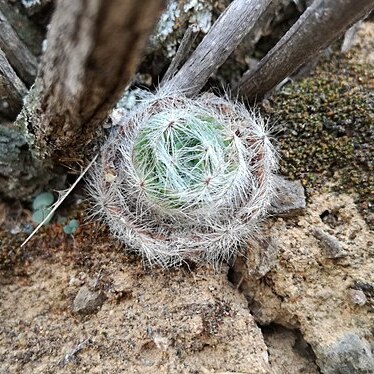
(182, 54)
(27, 31)
(317, 27)
(224, 36)
(93, 49)
(19, 56)
(12, 89)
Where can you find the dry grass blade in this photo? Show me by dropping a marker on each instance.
(60, 201)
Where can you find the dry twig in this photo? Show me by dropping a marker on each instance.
(12, 89)
(22, 60)
(317, 28)
(224, 36)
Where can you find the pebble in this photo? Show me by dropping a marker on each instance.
(290, 198)
(333, 248)
(88, 302)
(357, 297)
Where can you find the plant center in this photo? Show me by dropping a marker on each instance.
(185, 160)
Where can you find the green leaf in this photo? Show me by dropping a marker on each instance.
(39, 215)
(71, 227)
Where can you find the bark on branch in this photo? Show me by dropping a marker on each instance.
(93, 48)
(23, 61)
(317, 28)
(224, 36)
(12, 89)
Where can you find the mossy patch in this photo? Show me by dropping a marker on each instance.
(326, 128)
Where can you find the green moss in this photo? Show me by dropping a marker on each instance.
(326, 124)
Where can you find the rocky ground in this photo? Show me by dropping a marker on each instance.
(299, 300)
(316, 277)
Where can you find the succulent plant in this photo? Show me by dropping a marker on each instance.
(71, 227)
(185, 178)
(43, 200)
(42, 206)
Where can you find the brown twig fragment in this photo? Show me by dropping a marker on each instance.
(93, 49)
(181, 55)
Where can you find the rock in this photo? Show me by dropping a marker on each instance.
(330, 302)
(87, 302)
(348, 355)
(331, 245)
(290, 198)
(268, 258)
(262, 256)
(367, 288)
(357, 297)
(175, 20)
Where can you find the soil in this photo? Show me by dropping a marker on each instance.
(183, 320)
